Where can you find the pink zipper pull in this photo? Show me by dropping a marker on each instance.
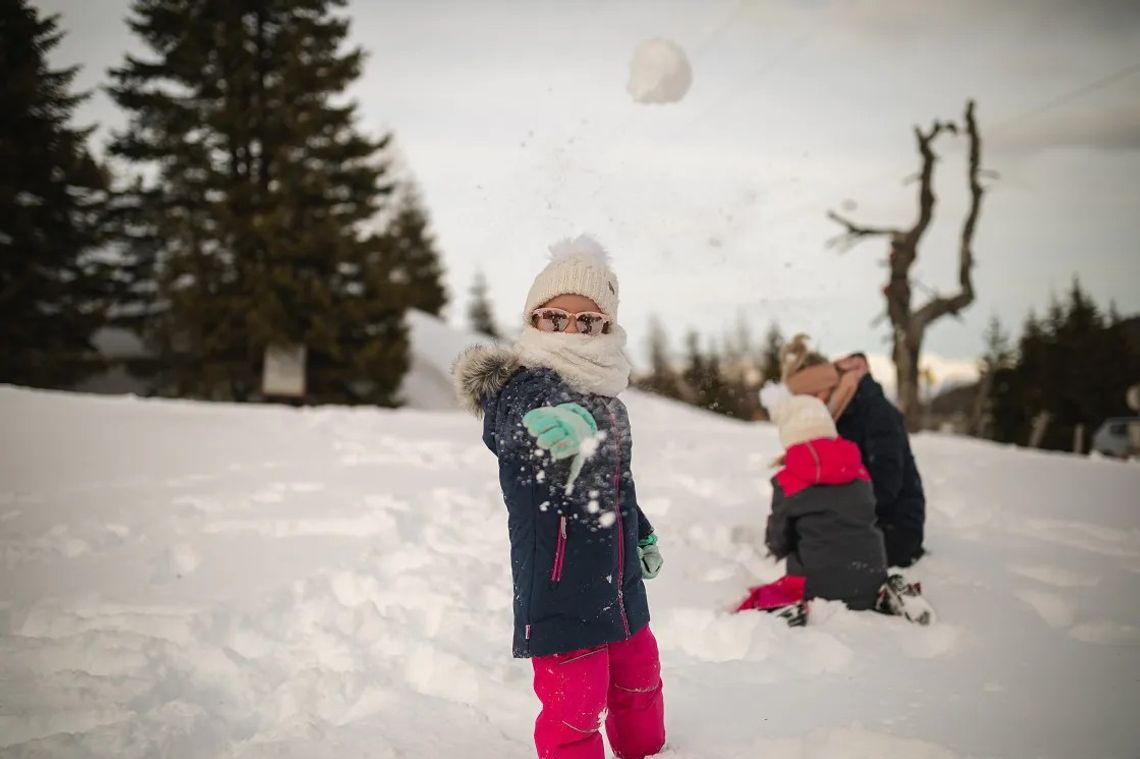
(559, 552)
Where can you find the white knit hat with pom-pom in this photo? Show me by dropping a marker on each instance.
(800, 417)
(578, 266)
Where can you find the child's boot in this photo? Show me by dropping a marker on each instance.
(904, 599)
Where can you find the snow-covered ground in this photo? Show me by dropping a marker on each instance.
(191, 580)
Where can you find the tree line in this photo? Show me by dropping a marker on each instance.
(1051, 387)
(724, 377)
(241, 208)
(1067, 372)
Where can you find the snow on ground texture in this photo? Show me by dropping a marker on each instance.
(218, 581)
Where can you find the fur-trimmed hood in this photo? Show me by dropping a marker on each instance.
(480, 372)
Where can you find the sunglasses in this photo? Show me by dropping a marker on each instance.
(557, 320)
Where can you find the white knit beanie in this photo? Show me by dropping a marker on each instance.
(578, 266)
(800, 417)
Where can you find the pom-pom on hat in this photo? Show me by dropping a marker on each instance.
(578, 266)
(800, 418)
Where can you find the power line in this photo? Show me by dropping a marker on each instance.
(1068, 97)
(1064, 98)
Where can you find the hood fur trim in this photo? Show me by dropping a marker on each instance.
(480, 372)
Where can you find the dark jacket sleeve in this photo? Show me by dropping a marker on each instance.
(780, 537)
(490, 422)
(644, 527)
(885, 450)
(503, 429)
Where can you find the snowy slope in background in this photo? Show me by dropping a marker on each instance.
(434, 346)
(195, 580)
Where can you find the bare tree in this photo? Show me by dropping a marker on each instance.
(909, 323)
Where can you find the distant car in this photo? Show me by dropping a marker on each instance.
(1118, 437)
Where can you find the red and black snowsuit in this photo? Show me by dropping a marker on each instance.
(823, 521)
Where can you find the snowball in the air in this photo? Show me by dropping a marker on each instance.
(659, 73)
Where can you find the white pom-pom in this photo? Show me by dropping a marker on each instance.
(773, 395)
(582, 246)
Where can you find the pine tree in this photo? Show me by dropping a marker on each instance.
(52, 193)
(773, 343)
(416, 262)
(725, 391)
(663, 378)
(250, 228)
(720, 392)
(696, 370)
(748, 373)
(997, 359)
(479, 310)
(703, 377)
(1073, 369)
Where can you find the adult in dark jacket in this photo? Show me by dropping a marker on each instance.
(580, 544)
(874, 424)
(867, 418)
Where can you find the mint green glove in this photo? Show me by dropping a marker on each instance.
(650, 556)
(561, 429)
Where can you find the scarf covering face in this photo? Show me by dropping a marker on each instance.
(593, 364)
(827, 377)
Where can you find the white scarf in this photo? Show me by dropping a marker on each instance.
(594, 364)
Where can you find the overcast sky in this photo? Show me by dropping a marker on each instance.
(514, 119)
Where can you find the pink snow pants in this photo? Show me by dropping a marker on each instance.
(789, 589)
(577, 688)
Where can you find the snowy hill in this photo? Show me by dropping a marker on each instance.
(434, 345)
(194, 580)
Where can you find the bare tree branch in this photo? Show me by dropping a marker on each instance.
(856, 233)
(926, 199)
(952, 305)
(909, 325)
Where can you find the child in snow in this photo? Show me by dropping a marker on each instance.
(823, 514)
(865, 417)
(580, 544)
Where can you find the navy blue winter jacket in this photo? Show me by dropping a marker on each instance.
(574, 561)
(874, 424)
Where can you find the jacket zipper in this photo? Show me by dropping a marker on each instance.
(620, 526)
(559, 552)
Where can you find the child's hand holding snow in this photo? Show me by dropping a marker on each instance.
(561, 429)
